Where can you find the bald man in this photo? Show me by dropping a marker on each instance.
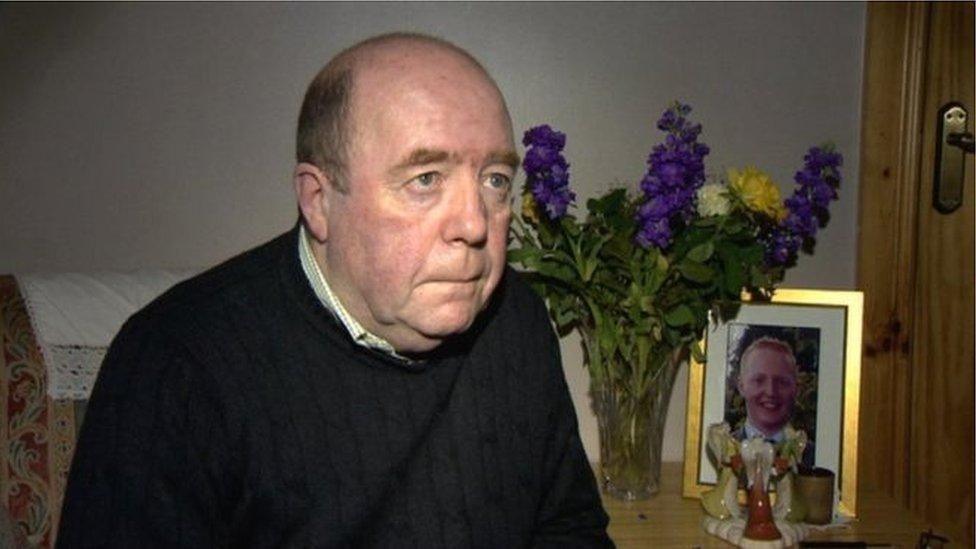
(376, 376)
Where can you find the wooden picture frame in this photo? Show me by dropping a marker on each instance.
(824, 327)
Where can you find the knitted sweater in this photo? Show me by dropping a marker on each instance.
(234, 411)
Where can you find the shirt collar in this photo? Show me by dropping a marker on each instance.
(753, 432)
(320, 285)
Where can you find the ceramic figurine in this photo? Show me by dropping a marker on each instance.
(788, 505)
(722, 502)
(757, 455)
(761, 526)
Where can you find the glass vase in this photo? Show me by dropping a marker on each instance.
(631, 433)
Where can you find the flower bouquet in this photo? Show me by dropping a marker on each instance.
(640, 274)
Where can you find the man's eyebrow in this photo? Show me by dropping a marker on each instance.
(508, 158)
(420, 157)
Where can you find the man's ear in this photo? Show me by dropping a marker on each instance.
(313, 190)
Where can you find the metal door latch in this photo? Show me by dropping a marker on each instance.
(950, 156)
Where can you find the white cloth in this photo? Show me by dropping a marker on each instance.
(76, 315)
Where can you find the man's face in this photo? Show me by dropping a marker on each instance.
(417, 245)
(768, 385)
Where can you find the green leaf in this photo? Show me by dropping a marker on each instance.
(735, 225)
(565, 316)
(611, 211)
(569, 225)
(710, 221)
(592, 262)
(696, 272)
(759, 278)
(679, 316)
(735, 278)
(656, 275)
(701, 252)
(753, 255)
(646, 325)
(620, 247)
(643, 350)
(608, 204)
(607, 336)
(527, 256)
(557, 271)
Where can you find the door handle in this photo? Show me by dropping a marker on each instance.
(962, 140)
(950, 157)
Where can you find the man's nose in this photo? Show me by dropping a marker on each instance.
(468, 215)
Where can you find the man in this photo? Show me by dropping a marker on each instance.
(768, 384)
(376, 376)
(768, 375)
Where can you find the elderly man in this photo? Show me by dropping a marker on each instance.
(374, 377)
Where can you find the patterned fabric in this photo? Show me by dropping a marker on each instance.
(37, 434)
(76, 315)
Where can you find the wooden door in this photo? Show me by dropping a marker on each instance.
(916, 267)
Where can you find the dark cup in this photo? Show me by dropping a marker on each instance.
(815, 488)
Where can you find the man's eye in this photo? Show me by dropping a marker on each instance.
(425, 180)
(499, 181)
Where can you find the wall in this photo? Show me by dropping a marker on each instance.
(161, 135)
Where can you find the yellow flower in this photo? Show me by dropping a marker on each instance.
(757, 191)
(529, 209)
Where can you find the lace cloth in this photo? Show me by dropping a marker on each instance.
(76, 315)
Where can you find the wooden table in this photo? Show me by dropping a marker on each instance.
(668, 520)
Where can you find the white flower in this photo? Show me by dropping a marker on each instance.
(712, 200)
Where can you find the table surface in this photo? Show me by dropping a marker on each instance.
(669, 520)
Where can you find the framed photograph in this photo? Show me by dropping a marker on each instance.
(792, 362)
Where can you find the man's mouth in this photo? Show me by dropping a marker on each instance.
(459, 279)
(768, 405)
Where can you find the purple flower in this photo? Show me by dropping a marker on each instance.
(544, 136)
(781, 246)
(675, 172)
(540, 159)
(547, 172)
(822, 195)
(656, 233)
(817, 186)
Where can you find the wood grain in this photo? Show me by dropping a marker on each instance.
(942, 457)
(916, 267)
(890, 147)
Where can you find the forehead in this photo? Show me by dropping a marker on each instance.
(767, 360)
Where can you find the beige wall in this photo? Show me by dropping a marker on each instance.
(161, 135)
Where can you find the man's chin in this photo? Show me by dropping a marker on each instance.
(440, 331)
(427, 336)
(445, 320)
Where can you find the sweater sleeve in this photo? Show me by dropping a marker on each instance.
(151, 464)
(571, 513)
